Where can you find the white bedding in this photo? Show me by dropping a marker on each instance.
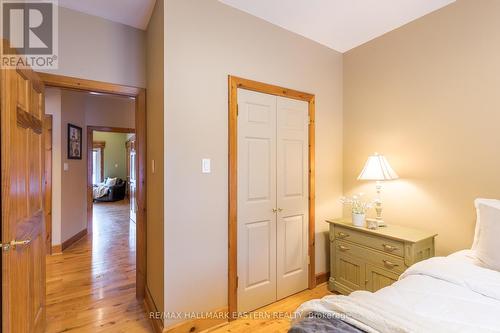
(442, 294)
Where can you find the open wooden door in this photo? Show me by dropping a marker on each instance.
(23, 230)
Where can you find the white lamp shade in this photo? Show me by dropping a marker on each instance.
(377, 168)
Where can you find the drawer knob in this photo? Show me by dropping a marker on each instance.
(342, 235)
(390, 264)
(343, 248)
(389, 248)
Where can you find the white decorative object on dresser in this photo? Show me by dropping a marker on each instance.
(365, 259)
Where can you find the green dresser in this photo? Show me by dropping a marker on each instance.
(364, 259)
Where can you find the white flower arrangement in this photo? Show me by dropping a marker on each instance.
(358, 205)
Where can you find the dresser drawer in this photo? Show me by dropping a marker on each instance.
(386, 261)
(382, 244)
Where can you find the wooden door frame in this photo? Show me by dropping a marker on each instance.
(48, 180)
(90, 147)
(59, 81)
(233, 84)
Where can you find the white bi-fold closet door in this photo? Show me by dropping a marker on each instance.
(272, 198)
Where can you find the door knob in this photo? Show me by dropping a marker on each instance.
(274, 210)
(280, 210)
(5, 247)
(15, 243)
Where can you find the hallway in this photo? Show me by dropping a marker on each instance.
(91, 286)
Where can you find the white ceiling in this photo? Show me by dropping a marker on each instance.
(135, 13)
(339, 24)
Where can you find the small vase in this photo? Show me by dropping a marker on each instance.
(358, 220)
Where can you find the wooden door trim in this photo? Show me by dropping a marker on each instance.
(66, 82)
(54, 80)
(48, 126)
(233, 84)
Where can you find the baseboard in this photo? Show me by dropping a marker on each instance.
(151, 308)
(67, 243)
(322, 277)
(200, 325)
(56, 249)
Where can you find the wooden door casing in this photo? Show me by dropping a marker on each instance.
(47, 133)
(22, 149)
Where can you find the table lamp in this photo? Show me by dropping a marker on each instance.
(377, 168)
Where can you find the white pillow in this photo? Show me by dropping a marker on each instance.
(486, 245)
(111, 182)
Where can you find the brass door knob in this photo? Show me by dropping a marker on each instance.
(15, 243)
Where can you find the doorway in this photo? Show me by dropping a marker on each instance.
(109, 167)
(265, 285)
(139, 96)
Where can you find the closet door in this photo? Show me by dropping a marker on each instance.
(256, 200)
(292, 196)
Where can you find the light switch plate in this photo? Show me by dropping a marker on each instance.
(205, 165)
(65, 166)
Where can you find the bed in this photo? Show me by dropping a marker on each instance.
(441, 294)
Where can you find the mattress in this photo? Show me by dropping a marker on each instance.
(441, 294)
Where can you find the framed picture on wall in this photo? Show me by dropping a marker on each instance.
(74, 142)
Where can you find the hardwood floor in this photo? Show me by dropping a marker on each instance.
(280, 312)
(91, 286)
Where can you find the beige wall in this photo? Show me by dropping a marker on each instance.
(81, 109)
(91, 47)
(155, 109)
(113, 111)
(426, 95)
(74, 180)
(205, 42)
